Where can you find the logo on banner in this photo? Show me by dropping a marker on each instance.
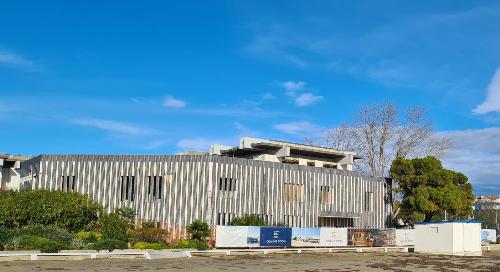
(270, 236)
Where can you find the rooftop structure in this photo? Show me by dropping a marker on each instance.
(287, 152)
(9, 166)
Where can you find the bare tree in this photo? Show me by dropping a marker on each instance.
(379, 135)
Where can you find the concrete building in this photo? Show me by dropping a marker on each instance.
(268, 178)
(10, 165)
(286, 152)
(491, 202)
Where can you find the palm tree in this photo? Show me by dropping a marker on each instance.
(198, 230)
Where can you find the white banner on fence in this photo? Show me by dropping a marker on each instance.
(333, 237)
(231, 236)
(489, 235)
(405, 237)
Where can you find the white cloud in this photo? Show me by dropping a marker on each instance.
(477, 140)
(301, 128)
(268, 96)
(301, 99)
(171, 102)
(120, 128)
(476, 153)
(12, 60)
(307, 99)
(292, 86)
(492, 102)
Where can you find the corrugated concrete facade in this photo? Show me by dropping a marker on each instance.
(215, 189)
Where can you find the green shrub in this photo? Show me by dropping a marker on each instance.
(114, 227)
(198, 230)
(68, 210)
(185, 244)
(77, 243)
(150, 235)
(146, 245)
(109, 244)
(202, 246)
(5, 236)
(31, 242)
(60, 235)
(156, 246)
(140, 245)
(148, 225)
(88, 236)
(51, 246)
(50, 232)
(126, 213)
(248, 220)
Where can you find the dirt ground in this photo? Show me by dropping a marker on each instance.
(317, 262)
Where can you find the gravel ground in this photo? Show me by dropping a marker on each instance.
(317, 262)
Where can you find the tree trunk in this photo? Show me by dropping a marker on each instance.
(428, 217)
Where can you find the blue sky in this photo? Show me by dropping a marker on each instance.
(164, 76)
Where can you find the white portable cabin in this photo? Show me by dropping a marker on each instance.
(453, 237)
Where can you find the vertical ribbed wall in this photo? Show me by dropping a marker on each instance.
(191, 192)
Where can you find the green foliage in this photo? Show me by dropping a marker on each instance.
(146, 245)
(109, 244)
(148, 225)
(151, 235)
(185, 244)
(202, 246)
(77, 243)
(128, 214)
(428, 189)
(114, 227)
(248, 220)
(50, 232)
(88, 236)
(198, 230)
(31, 242)
(5, 236)
(68, 210)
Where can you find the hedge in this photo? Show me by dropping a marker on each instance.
(68, 210)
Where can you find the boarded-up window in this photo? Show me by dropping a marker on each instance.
(127, 188)
(68, 183)
(228, 184)
(155, 187)
(325, 196)
(293, 192)
(368, 201)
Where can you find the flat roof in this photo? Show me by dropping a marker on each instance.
(14, 157)
(449, 221)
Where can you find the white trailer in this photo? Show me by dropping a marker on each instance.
(453, 237)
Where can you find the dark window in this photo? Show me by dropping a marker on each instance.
(68, 183)
(127, 188)
(228, 184)
(155, 187)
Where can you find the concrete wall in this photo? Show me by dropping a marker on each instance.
(191, 190)
(9, 178)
